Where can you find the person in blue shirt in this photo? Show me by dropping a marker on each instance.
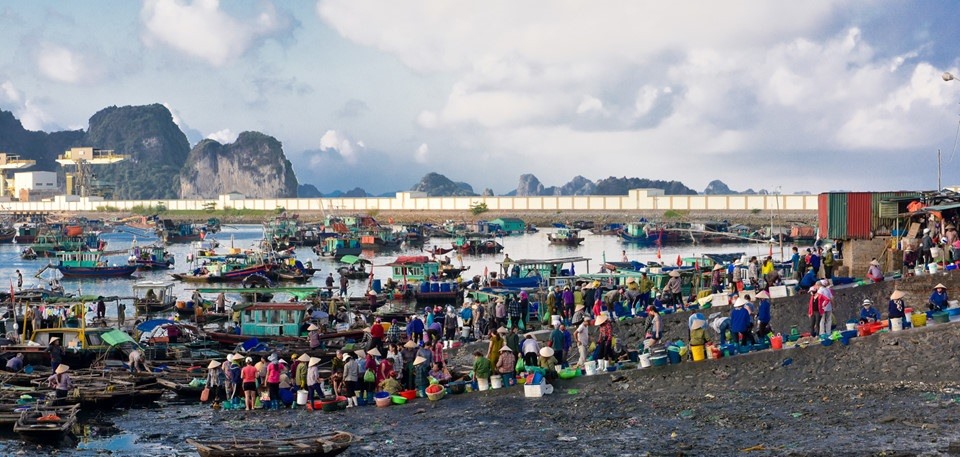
(740, 322)
(415, 329)
(763, 314)
(795, 262)
(815, 261)
(938, 299)
(808, 280)
(868, 313)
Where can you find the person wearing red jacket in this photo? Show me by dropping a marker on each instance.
(376, 335)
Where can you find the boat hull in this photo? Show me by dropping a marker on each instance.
(123, 271)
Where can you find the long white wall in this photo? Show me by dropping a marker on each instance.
(637, 199)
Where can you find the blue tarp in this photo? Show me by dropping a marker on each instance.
(152, 324)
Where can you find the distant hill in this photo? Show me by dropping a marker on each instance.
(156, 146)
(621, 186)
(437, 185)
(308, 191)
(254, 166)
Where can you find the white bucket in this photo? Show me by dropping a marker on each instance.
(933, 267)
(483, 384)
(555, 320)
(301, 397)
(908, 317)
(591, 367)
(851, 326)
(896, 324)
(496, 381)
(918, 271)
(644, 360)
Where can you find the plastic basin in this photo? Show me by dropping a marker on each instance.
(398, 400)
(408, 394)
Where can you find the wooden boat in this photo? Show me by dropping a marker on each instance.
(222, 273)
(438, 250)
(539, 272)
(477, 246)
(46, 424)
(90, 264)
(150, 258)
(565, 236)
(643, 234)
(150, 297)
(326, 445)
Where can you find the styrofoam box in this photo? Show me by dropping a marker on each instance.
(534, 391)
(778, 291)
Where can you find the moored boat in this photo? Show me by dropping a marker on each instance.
(324, 445)
(90, 264)
(46, 424)
(565, 236)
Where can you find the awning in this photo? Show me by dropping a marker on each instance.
(115, 337)
(352, 259)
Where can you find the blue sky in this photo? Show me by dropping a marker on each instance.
(816, 95)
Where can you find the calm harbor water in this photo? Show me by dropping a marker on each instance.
(136, 432)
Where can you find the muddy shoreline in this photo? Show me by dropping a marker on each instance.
(888, 394)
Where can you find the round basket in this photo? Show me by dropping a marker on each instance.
(383, 402)
(436, 395)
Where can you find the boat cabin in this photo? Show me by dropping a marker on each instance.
(81, 259)
(272, 319)
(541, 272)
(414, 268)
(152, 296)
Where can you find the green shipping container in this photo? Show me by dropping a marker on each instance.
(837, 216)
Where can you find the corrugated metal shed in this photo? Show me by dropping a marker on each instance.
(859, 212)
(837, 216)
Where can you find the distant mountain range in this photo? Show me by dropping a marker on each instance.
(438, 185)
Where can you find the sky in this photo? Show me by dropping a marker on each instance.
(778, 95)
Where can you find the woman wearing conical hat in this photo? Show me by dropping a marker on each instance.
(938, 299)
(897, 306)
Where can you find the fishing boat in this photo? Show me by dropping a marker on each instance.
(475, 246)
(183, 232)
(152, 257)
(642, 233)
(607, 229)
(418, 268)
(90, 264)
(526, 273)
(82, 345)
(27, 233)
(49, 244)
(339, 246)
(151, 297)
(46, 424)
(229, 268)
(279, 322)
(325, 445)
(565, 236)
(7, 234)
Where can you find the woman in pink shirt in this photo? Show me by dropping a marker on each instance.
(274, 368)
(249, 377)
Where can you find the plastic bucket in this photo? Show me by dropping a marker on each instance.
(674, 356)
(777, 342)
(918, 320)
(496, 382)
(591, 367)
(698, 353)
(896, 324)
(483, 384)
(851, 326)
(301, 397)
(644, 360)
(933, 267)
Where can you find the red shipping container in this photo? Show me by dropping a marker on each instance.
(859, 215)
(822, 214)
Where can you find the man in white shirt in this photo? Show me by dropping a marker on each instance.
(582, 337)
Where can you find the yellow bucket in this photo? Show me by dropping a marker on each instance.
(698, 353)
(918, 319)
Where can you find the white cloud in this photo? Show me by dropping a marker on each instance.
(423, 153)
(590, 104)
(201, 29)
(61, 64)
(335, 141)
(224, 136)
(32, 116)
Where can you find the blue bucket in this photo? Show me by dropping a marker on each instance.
(674, 357)
(435, 287)
(444, 287)
(425, 286)
(377, 287)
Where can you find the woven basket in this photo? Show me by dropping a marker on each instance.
(436, 396)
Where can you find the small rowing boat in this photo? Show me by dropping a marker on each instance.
(325, 445)
(45, 424)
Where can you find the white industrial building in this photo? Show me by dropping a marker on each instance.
(34, 185)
